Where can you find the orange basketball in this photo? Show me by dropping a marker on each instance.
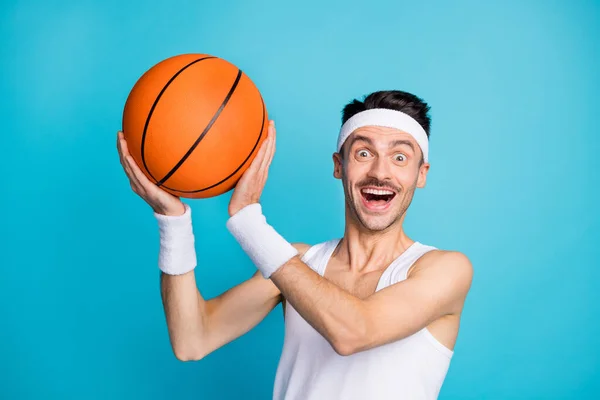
(194, 123)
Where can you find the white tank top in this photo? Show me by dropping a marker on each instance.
(309, 368)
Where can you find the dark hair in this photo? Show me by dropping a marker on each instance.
(392, 99)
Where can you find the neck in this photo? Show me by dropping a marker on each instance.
(365, 251)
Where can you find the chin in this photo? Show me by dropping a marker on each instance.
(376, 223)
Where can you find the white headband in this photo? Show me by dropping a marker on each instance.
(389, 119)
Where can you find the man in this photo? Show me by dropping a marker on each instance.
(373, 315)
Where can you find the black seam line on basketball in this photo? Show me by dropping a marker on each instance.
(262, 128)
(154, 106)
(205, 131)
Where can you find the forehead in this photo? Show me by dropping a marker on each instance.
(381, 136)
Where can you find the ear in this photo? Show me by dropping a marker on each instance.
(422, 178)
(337, 166)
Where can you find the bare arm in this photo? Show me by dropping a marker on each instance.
(437, 288)
(198, 326)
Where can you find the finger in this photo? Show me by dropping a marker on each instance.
(264, 168)
(120, 151)
(265, 159)
(122, 146)
(253, 174)
(120, 143)
(133, 182)
(260, 156)
(132, 165)
(270, 149)
(138, 175)
(133, 178)
(271, 152)
(122, 158)
(273, 144)
(128, 164)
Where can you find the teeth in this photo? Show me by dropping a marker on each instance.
(378, 192)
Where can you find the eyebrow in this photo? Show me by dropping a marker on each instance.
(359, 138)
(393, 144)
(401, 142)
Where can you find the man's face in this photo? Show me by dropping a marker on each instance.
(379, 171)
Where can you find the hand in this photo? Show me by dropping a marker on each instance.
(161, 201)
(250, 186)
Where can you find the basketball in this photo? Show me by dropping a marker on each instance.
(194, 123)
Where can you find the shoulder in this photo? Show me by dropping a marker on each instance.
(449, 265)
(302, 248)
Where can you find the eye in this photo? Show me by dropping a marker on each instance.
(400, 157)
(363, 153)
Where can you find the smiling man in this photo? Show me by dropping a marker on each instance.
(371, 315)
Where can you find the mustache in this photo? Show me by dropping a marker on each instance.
(377, 183)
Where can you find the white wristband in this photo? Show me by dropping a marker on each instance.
(177, 253)
(266, 248)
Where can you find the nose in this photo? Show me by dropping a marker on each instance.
(380, 169)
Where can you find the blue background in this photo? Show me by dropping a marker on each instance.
(513, 87)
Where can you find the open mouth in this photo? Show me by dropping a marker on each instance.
(377, 199)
